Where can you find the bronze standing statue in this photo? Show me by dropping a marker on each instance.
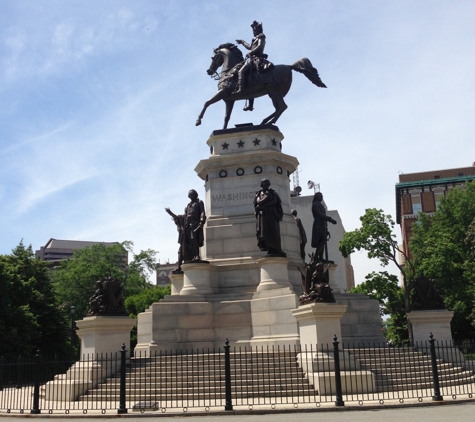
(269, 213)
(190, 228)
(302, 234)
(241, 80)
(319, 228)
(180, 226)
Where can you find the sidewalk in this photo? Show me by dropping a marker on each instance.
(430, 412)
(390, 411)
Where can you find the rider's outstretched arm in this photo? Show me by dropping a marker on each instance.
(244, 43)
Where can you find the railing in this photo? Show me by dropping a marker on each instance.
(239, 378)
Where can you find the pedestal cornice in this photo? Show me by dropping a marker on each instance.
(260, 157)
(313, 311)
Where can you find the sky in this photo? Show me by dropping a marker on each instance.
(98, 103)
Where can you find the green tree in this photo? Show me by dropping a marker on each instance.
(376, 237)
(75, 279)
(30, 318)
(385, 288)
(445, 248)
(141, 301)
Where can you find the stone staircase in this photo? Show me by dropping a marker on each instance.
(172, 378)
(183, 378)
(404, 368)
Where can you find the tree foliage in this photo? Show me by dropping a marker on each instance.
(75, 279)
(30, 317)
(141, 301)
(445, 248)
(376, 237)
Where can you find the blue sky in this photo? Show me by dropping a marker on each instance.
(98, 101)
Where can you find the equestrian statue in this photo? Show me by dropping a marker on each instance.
(254, 76)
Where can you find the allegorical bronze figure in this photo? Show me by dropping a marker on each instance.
(190, 230)
(269, 213)
(302, 234)
(319, 228)
(315, 287)
(242, 80)
(425, 294)
(108, 298)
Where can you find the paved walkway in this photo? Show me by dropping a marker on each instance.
(435, 412)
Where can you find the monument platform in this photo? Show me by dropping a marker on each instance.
(242, 294)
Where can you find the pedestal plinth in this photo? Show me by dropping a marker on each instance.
(319, 323)
(176, 282)
(437, 322)
(101, 341)
(274, 274)
(101, 335)
(198, 279)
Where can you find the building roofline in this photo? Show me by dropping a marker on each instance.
(400, 187)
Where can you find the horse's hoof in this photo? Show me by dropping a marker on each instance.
(198, 122)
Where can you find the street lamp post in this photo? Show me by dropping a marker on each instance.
(73, 311)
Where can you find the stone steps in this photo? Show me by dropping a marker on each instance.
(406, 369)
(201, 376)
(267, 374)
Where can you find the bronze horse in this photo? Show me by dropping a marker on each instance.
(275, 82)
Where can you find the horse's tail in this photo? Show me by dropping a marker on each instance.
(305, 66)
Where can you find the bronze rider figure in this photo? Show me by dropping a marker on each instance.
(257, 58)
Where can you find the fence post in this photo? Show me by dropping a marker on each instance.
(227, 377)
(336, 357)
(19, 380)
(36, 392)
(435, 373)
(122, 407)
(2, 364)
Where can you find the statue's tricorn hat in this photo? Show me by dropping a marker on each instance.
(256, 25)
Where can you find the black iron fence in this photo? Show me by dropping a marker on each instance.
(239, 378)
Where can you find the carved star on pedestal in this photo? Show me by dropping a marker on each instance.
(256, 142)
(225, 145)
(274, 142)
(240, 144)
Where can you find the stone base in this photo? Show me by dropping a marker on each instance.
(199, 279)
(437, 322)
(176, 282)
(101, 341)
(274, 274)
(194, 323)
(352, 382)
(104, 335)
(319, 323)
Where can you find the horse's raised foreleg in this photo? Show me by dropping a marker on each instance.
(279, 105)
(217, 97)
(229, 110)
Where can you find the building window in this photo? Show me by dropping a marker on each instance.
(416, 201)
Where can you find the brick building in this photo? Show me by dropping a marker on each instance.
(421, 192)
